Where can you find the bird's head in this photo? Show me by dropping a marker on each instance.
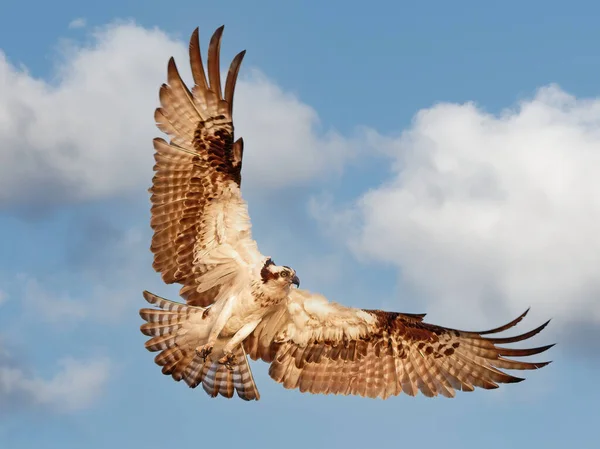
(276, 275)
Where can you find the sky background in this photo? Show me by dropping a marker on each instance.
(440, 158)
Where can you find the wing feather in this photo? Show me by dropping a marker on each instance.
(196, 61)
(214, 66)
(234, 70)
(197, 206)
(322, 347)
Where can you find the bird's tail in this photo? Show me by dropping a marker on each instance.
(170, 326)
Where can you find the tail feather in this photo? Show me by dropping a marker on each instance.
(168, 359)
(218, 380)
(192, 372)
(155, 329)
(243, 381)
(178, 356)
(161, 342)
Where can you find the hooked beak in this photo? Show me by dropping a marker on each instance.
(296, 281)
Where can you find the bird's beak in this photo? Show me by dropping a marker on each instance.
(296, 281)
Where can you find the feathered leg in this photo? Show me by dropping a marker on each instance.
(237, 339)
(175, 335)
(223, 316)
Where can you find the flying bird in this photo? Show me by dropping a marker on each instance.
(240, 303)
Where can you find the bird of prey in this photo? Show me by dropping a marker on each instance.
(240, 303)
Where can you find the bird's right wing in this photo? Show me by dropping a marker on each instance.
(323, 347)
(201, 226)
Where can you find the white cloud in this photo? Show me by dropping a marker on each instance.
(49, 306)
(3, 297)
(89, 133)
(86, 135)
(98, 303)
(487, 212)
(75, 386)
(282, 146)
(102, 292)
(79, 22)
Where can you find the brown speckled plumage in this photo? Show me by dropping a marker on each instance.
(401, 354)
(199, 166)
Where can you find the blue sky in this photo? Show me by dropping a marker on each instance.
(439, 158)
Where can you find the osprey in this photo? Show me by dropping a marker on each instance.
(239, 303)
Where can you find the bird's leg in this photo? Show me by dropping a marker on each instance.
(224, 315)
(228, 357)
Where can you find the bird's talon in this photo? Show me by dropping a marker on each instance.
(204, 351)
(227, 360)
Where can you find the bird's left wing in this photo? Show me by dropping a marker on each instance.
(201, 226)
(323, 347)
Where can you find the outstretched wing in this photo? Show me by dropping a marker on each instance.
(200, 221)
(323, 347)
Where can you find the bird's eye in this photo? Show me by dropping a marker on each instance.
(284, 274)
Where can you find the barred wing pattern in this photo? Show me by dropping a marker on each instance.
(200, 221)
(322, 347)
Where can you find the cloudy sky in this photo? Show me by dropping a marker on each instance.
(440, 159)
